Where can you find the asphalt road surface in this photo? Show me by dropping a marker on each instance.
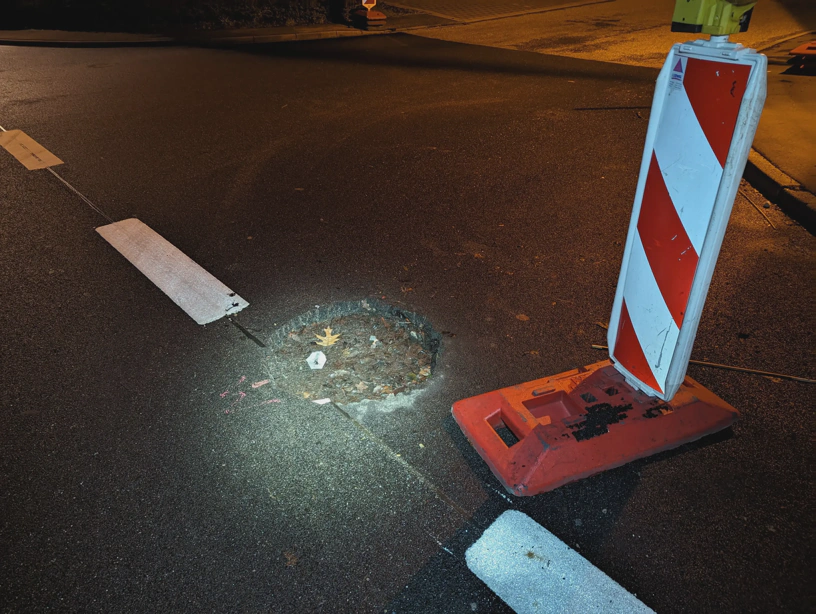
(467, 184)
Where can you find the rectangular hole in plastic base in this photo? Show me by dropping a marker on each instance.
(507, 436)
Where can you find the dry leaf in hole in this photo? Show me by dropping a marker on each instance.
(291, 558)
(328, 339)
(522, 317)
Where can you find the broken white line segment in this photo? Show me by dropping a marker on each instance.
(534, 571)
(28, 152)
(197, 292)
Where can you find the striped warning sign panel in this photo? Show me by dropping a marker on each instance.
(688, 181)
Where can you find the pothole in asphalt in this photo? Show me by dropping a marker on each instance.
(372, 351)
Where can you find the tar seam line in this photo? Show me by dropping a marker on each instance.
(84, 198)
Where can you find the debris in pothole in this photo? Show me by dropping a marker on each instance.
(316, 360)
(367, 356)
(328, 339)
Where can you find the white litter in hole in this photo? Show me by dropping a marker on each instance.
(197, 292)
(316, 360)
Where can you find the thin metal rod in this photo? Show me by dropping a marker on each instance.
(748, 198)
(84, 198)
(717, 365)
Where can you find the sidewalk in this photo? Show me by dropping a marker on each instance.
(781, 165)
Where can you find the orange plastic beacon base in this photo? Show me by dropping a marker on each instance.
(546, 433)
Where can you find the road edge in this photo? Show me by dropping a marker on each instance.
(781, 189)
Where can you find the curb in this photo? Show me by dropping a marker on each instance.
(154, 42)
(213, 41)
(234, 41)
(782, 190)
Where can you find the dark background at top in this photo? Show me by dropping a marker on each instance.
(152, 15)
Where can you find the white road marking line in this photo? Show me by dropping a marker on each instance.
(534, 571)
(197, 292)
(28, 152)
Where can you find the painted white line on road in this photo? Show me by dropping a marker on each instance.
(197, 292)
(28, 152)
(534, 571)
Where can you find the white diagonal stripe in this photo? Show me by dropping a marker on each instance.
(690, 169)
(651, 318)
(534, 572)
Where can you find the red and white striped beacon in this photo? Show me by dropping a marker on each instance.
(706, 108)
(542, 434)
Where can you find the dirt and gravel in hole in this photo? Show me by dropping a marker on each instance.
(368, 356)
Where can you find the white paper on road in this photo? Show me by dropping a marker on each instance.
(534, 571)
(28, 152)
(199, 294)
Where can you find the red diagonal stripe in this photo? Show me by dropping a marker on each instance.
(629, 353)
(671, 255)
(715, 90)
